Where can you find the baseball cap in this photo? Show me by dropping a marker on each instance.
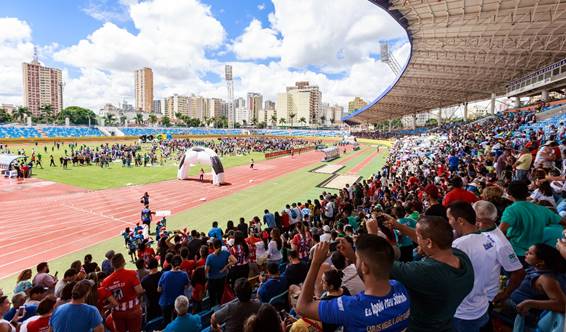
(326, 229)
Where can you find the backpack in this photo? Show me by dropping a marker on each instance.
(294, 213)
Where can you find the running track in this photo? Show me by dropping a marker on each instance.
(44, 221)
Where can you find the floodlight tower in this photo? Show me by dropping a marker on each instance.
(230, 87)
(389, 59)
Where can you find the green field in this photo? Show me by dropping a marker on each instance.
(95, 178)
(298, 185)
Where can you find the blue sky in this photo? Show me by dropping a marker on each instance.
(98, 43)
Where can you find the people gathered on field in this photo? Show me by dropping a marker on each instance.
(461, 230)
(155, 152)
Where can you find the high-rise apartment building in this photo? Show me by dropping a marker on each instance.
(43, 86)
(144, 89)
(214, 108)
(300, 101)
(156, 106)
(197, 107)
(255, 104)
(176, 104)
(356, 104)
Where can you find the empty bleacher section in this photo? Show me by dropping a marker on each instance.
(18, 132)
(548, 126)
(71, 131)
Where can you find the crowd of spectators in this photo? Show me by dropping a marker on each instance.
(461, 230)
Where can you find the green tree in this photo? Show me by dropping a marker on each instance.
(46, 113)
(303, 120)
(77, 115)
(21, 112)
(282, 121)
(431, 122)
(165, 121)
(322, 120)
(123, 120)
(291, 117)
(274, 120)
(152, 119)
(262, 125)
(109, 119)
(4, 116)
(221, 122)
(139, 118)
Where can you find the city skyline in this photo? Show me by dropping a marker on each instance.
(267, 44)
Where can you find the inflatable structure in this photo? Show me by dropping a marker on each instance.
(205, 156)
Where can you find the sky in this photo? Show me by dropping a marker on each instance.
(270, 44)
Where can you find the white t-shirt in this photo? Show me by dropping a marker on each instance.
(273, 253)
(326, 237)
(352, 280)
(482, 254)
(506, 259)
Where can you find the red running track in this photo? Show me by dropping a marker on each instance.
(45, 220)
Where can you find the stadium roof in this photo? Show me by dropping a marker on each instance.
(463, 50)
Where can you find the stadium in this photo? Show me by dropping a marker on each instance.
(456, 225)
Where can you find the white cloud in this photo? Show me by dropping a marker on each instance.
(15, 47)
(105, 10)
(180, 38)
(257, 42)
(261, 6)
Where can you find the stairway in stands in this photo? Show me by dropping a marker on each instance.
(41, 132)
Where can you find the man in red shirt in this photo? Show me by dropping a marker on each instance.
(457, 193)
(123, 289)
(44, 310)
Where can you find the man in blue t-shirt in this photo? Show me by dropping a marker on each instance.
(171, 285)
(383, 306)
(76, 315)
(269, 219)
(273, 285)
(215, 231)
(453, 162)
(216, 267)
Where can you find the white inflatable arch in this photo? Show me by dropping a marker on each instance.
(201, 155)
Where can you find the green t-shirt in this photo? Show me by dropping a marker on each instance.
(435, 289)
(526, 224)
(552, 233)
(405, 241)
(353, 221)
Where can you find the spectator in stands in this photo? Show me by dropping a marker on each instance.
(215, 231)
(141, 271)
(350, 278)
(217, 265)
(122, 289)
(233, 315)
(8, 325)
(69, 276)
(76, 315)
(296, 270)
(457, 193)
(332, 288)
(523, 222)
(472, 314)
(23, 282)
(446, 276)
(266, 319)
(90, 266)
(268, 219)
(522, 165)
(19, 301)
(374, 257)
(274, 247)
(43, 278)
(194, 244)
(302, 241)
(184, 322)
(272, 285)
(107, 263)
(242, 226)
(544, 285)
(241, 252)
(40, 322)
(172, 284)
(149, 285)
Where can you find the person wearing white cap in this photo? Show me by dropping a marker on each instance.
(326, 236)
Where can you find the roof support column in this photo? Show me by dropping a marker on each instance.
(517, 101)
(414, 120)
(466, 112)
(544, 95)
(492, 104)
(390, 122)
(439, 117)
